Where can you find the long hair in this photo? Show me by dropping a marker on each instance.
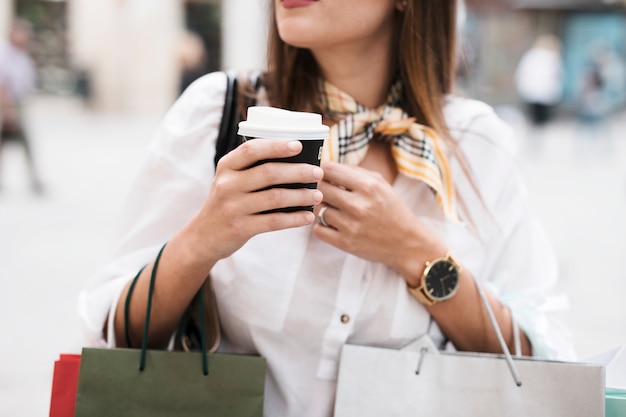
(425, 61)
(426, 34)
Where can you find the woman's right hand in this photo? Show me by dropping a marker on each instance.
(230, 215)
(226, 220)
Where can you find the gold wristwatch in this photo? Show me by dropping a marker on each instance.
(439, 282)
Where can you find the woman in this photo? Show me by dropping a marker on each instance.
(295, 289)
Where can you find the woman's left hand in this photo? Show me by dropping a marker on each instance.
(368, 219)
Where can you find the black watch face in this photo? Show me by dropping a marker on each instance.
(442, 280)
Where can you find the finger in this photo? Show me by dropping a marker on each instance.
(328, 234)
(334, 195)
(322, 215)
(334, 218)
(276, 198)
(252, 151)
(275, 173)
(269, 222)
(346, 176)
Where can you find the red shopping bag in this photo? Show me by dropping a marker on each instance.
(64, 385)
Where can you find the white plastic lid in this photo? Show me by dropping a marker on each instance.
(271, 122)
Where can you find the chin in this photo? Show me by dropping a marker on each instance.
(299, 36)
(296, 38)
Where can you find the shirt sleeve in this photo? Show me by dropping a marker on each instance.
(171, 185)
(520, 266)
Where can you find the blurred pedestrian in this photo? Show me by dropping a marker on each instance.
(592, 103)
(614, 75)
(603, 85)
(539, 78)
(17, 82)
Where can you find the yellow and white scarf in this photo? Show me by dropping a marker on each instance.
(417, 149)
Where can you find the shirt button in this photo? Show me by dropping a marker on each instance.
(345, 318)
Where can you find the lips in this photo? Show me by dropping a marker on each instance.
(294, 4)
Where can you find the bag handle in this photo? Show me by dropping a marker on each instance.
(129, 295)
(188, 334)
(494, 324)
(503, 345)
(516, 339)
(144, 342)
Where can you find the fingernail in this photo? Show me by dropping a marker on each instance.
(317, 196)
(294, 145)
(318, 173)
(310, 217)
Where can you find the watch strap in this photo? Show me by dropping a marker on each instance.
(419, 292)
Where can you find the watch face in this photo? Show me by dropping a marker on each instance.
(441, 280)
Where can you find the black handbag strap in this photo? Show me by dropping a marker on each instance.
(227, 138)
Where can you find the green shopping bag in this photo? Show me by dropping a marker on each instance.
(172, 384)
(154, 383)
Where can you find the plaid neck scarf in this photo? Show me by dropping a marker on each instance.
(417, 149)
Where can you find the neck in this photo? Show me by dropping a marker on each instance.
(364, 72)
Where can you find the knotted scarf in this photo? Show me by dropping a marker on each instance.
(417, 149)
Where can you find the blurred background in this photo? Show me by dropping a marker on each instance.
(107, 70)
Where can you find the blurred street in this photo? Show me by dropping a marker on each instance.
(50, 244)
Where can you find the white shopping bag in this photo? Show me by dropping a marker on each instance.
(375, 382)
(421, 381)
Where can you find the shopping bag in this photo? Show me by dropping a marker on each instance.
(155, 383)
(64, 383)
(374, 382)
(172, 384)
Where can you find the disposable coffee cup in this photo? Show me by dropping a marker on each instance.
(272, 123)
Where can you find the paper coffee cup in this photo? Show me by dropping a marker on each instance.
(272, 123)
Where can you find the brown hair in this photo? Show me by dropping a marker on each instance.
(425, 62)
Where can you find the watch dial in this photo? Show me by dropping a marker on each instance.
(442, 279)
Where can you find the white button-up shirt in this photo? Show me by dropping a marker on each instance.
(296, 300)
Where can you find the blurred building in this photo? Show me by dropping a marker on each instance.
(6, 11)
(498, 32)
(125, 54)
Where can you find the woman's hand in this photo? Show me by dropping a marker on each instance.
(230, 214)
(368, 219)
